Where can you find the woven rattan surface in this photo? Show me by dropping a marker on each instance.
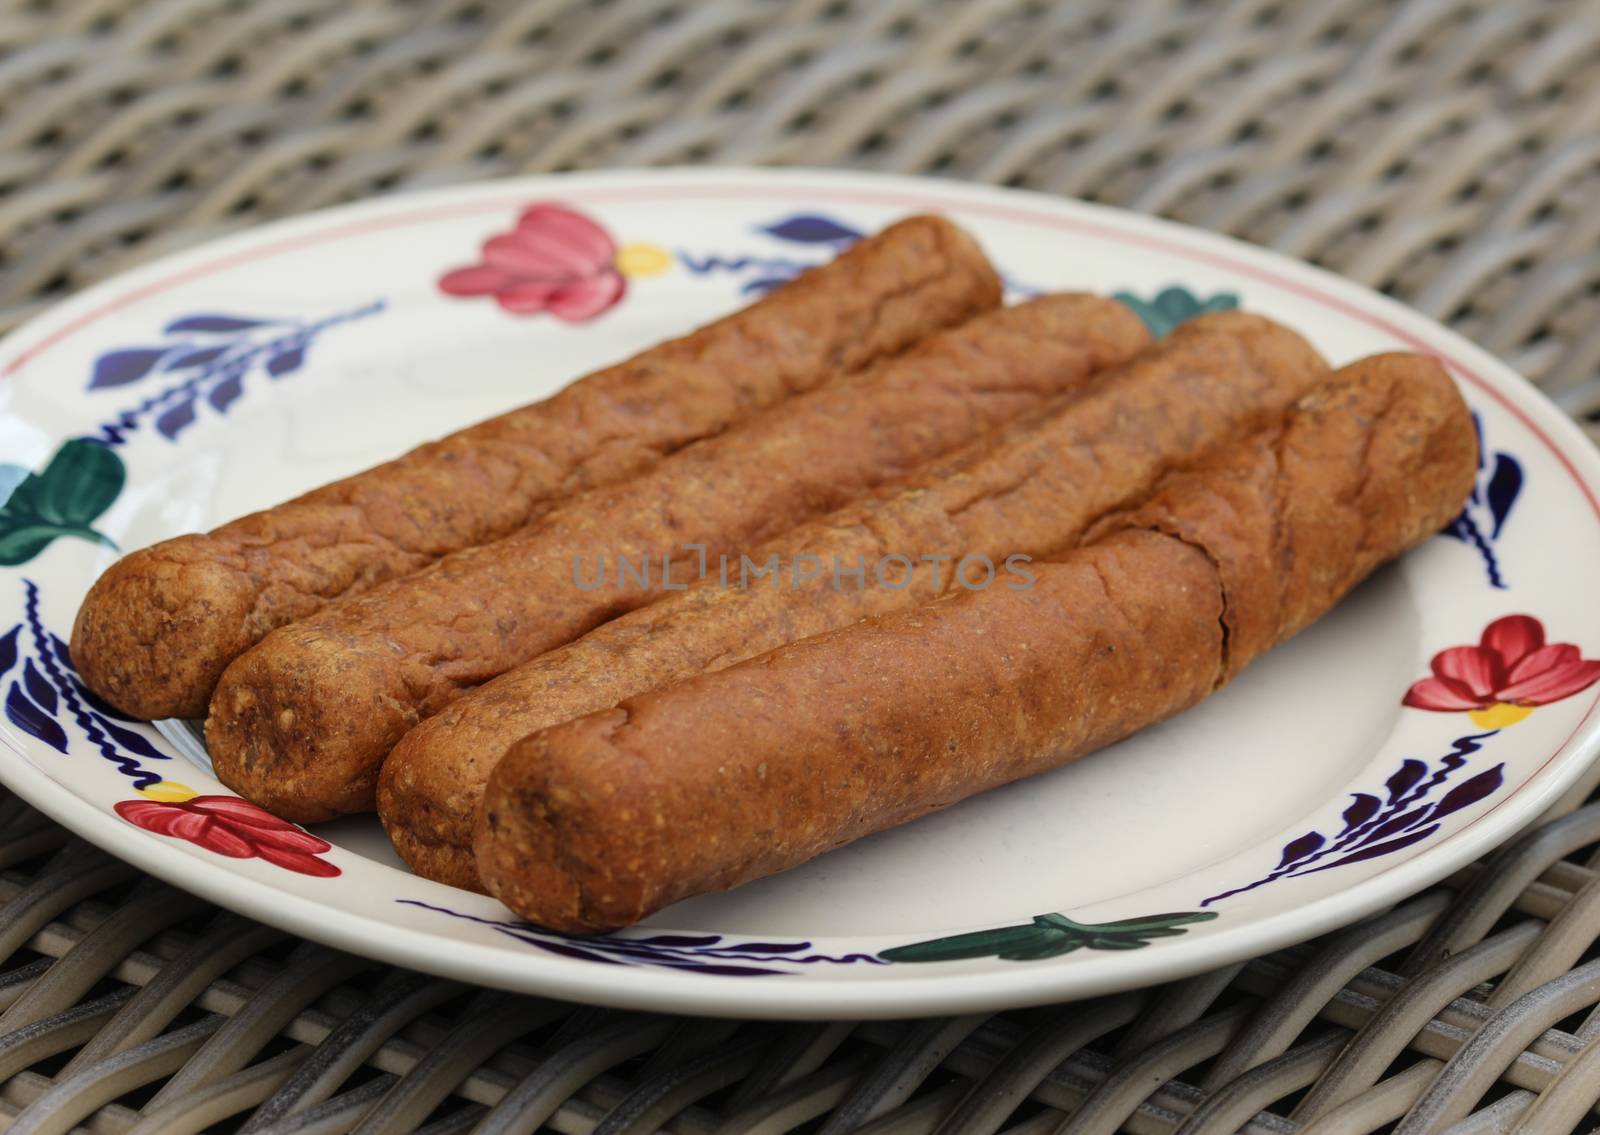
(1447, 152)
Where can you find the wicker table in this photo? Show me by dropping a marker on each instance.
(1442, 151)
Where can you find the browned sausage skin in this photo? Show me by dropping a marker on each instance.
(700, 786)
(156, 631)
(1031, 490)
(302, 722)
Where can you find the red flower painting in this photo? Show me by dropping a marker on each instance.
(232, 827)
(555, 259)
(1509, 672)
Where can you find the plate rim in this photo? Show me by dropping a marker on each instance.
(820, 997)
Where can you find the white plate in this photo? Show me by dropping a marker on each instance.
(1301, 798)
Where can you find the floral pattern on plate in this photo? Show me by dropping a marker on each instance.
(1497, 682)
(1482, 520)
(230, 826)
(206, 358)
(1389, 820)
(1505, 676)
(554, 259)
(65, 498)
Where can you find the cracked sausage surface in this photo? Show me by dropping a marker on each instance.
(301, 723)
(700, 786)
(157, 629)
(1030, 490)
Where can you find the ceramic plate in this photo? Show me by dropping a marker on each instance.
(1440, 708)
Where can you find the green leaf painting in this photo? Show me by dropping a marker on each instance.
(1048, 936)
(64, 499)
(1174, 305)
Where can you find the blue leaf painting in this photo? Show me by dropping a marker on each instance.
(216, 324)
(748, 947)
(8, 649)
(567, 950)
(118, 368)
(132, 741)
(1403, 781)
(34, 721)
(1362, 808)
(698, 941)
(1297, 849)
(226, 393)
(763, 285)
(174, 421)
(42, 693)
(809, 228)
(286, 361)
(1482, 520)
(196, 358)
(720, 970)
(1469, 792)
(1504, 485)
